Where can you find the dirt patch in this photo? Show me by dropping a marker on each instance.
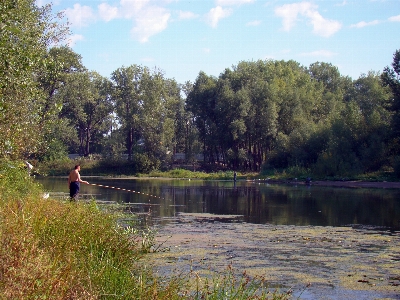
(337, 262)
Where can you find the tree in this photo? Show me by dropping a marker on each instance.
(60, 135)
(60, 61)
(87, 105)
(391, 78)
(201, 103)
(25, 33)
(334, 89)
(190, 137)
(147, 108)
(126, 96)
(157, 118)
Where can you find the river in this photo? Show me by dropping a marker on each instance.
(317, 242)
(249, 201)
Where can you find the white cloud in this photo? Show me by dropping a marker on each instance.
(289, 12)
(206, 50)
(71, 41)
(107, 12)
(232, 2)
(150, 21)
(364, 24)
(216, 14)
(254, 23)
(185, 15)
(321, 26)
(79, 16)
(394, 18)
(319, 53)
(130, 8)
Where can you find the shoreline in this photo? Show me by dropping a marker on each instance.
(334, 183)
(327, 183)
(355, 184)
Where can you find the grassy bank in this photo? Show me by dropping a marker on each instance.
(100, 167)
(61, 250)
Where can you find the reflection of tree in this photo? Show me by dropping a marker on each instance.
(258, 203)
(297, 205)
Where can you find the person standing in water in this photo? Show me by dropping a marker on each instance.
(74, 180)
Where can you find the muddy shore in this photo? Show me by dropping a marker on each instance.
(316, 262)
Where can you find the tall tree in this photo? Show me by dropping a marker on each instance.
(126, 96)
(26, 31)
(192, 142)
(391, 78)
(201, 102)
(87, 105)
(60, 62)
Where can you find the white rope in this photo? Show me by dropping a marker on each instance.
(131, 191)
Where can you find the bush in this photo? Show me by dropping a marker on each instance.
(15, 182)
(396, 166)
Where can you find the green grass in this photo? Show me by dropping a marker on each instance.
(186, 174)
(122, 168)
(51, 249)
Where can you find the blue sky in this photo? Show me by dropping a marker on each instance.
(184, 37)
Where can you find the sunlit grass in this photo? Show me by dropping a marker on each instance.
(187, 174)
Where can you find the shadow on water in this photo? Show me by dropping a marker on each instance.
(258, 203)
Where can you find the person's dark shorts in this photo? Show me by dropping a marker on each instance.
(74, 190)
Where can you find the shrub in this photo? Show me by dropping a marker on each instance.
(396, 166)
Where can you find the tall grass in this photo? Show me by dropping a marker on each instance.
(51, 249)
(183, 173)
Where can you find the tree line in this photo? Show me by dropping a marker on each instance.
(256, 115)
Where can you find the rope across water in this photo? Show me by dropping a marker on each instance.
(127, 190)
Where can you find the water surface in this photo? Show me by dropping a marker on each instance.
(255, 202)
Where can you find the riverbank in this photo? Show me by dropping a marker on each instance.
(316, 262)
(331, 183)
(353, 184)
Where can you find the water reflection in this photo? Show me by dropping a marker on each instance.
(255, 202)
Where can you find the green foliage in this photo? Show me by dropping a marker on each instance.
(113, 146)
(60, 63)
(391, 78)
(25, 33)
(87, 105)
(146, 106)
(186, 174)
(56, 167)
(396, 166)
(15, 182)
(57, 150)
(144, 163)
